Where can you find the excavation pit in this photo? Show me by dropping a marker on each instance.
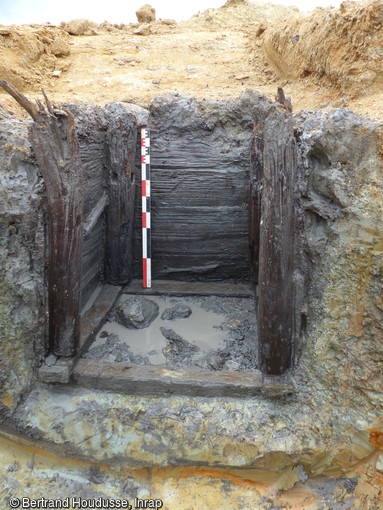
(221, 210)
(210, 332)
(210, 352)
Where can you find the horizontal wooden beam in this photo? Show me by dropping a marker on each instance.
(159, 380)
(182, 288)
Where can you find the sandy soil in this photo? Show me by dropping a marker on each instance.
(336, 62)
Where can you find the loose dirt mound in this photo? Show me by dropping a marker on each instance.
(80, 27)
(29, 54)
(327, 58)
(342, 48)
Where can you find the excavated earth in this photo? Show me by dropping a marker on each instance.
(319, 448)
(337, 61)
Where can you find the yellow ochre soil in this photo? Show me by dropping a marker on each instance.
(327, 58)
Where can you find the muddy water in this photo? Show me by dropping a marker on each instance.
(201, 329)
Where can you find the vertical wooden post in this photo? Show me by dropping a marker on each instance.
(256, 170)
(120, 160)
(53, 138)
(276, 250)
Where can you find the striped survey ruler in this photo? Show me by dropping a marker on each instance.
(145, 176)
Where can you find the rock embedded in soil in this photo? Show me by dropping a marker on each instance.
(143, 30)
(113, 350)
(167, 21)
(176, 312)
(60, 47)
(136, 312)
(146, 14)
(80, 27)
(232, 365)
(51, 360)
(212, 361)
(178, 350)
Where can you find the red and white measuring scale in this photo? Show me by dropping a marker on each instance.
(145, 177)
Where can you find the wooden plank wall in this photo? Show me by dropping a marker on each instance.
(107, 139)
(120, 162)
(91, 126)
(200, 160)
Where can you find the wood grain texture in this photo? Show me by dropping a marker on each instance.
(276, 248)
(120, 147)
(200, 162)
(160, 380)
(54, 141)
(91, 127)
(93, 258)
(95, 214)
(255, 194)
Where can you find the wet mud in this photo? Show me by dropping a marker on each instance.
(220, 333)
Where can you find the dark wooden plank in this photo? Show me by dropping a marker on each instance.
(94, 317)
(120, 160)
(91, 127)
(93, 260)
(57, 152)
(95, 213)
(278, 385)
(54, 141)
(200, 172)
(256, 171)
(276, 250)
(153, 380)
(91, 322)
(176, 288)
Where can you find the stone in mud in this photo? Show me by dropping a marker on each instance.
(51, 360)
(176, 312)
(136, 312)
(212, 361)
(107, 351)
(113, 350)
(232, 365)
(237, 335)
(177, 349)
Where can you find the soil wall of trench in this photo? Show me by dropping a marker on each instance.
(332, 424)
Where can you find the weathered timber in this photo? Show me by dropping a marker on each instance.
(120, 160)
(54, 142)
(91, 323)
(159, 380)
(277, 385)
(200, 187)
(95, 214)
(176, 288)
(91, 126)
(20, 98)
(276, 250)
(256, 170)
(92, 261)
